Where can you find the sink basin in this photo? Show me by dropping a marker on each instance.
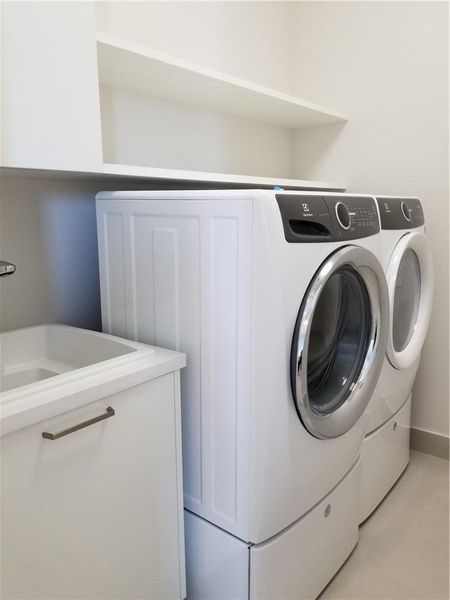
(48, 369)
(23, 376)
(36, 353)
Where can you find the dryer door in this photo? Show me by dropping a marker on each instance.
(410, 285)
(339, 341)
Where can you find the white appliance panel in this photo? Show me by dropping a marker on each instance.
(392, 391)
(294, 564)
(187, 284)
(384, 457)
(234, 287)
(397, 376)
(297, 563)
(217, 563)
(408, 331)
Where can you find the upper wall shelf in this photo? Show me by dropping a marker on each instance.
(138, 68)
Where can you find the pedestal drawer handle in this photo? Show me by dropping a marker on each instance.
(110, 412)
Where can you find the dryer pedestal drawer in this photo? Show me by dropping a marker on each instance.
(385, 455)
(297, 563)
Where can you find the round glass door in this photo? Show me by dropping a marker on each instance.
(340, 334)
(410, 286)
(338, 345)
(406, 300)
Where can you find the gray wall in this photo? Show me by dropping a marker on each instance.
(48, 228)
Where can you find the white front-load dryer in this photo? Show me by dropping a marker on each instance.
(280, 304)
(408, 267)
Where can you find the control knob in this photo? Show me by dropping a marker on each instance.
(343, 216)
(405, 210)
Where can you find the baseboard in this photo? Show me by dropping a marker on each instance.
(430, 443)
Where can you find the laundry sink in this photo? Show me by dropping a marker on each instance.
(36, 353)
(90, 467)
(22, 376)
(47, 369)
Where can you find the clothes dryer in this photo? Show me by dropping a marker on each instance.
(280, 303)
(408, 266)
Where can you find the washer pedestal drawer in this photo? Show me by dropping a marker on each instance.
(385, 455)
(294, 564)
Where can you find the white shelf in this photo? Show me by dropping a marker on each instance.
(225, 179)
(171, 177)
(138, 68)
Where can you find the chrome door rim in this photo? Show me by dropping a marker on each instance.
(347, 414)
(417, 242)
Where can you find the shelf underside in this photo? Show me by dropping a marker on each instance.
(224, 179)
(174, 178)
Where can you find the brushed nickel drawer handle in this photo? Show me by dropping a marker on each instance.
(110, 412)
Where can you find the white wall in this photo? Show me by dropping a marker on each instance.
(383, 63)
(251, 40)
(386, 65)
(47, 226)
(49, 88)
(145, 131)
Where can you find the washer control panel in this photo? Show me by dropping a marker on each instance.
(308, 218)
(400, 213)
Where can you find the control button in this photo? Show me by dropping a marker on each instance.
(405, 210)
(342, 215)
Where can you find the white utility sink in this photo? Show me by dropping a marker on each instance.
(49, 369)
(90, 462)
(35, 353)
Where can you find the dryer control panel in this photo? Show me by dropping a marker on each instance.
(400, 213)
(308, 218)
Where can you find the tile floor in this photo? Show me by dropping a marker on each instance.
(403, 550)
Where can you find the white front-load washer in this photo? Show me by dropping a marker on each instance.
(280, 303)
(408, 267)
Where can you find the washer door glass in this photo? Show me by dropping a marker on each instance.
(339, 339)
(406, 300)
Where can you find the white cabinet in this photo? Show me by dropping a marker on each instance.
(50, 110)
(97, 513)
(68, 103)
(60, 110)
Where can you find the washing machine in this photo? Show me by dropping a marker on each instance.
(280, 302)
(408, 267)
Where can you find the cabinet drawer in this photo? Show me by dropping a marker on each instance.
(96, 513)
